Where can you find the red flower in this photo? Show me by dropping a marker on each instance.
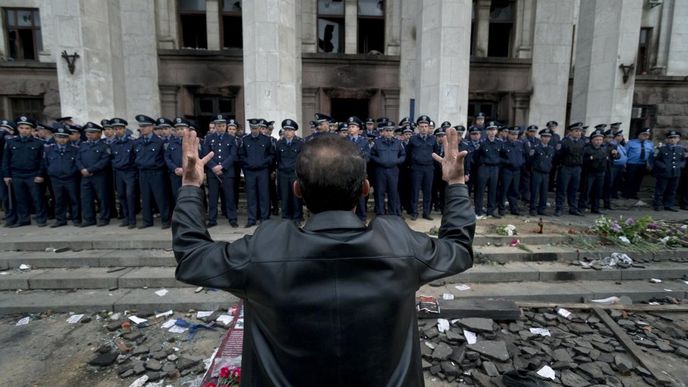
(210, 384)
(236, 374)
(224, 372)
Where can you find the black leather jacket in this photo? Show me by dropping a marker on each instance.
(333, 303)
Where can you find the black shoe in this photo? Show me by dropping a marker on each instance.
(516, 213)
(501, 213)
(557, 213)
(124, 224)
(414, 217)
(103, 223)
(608, 208)
(532, 213)
(495, 215)
(428, 217)
(658, 208)
(165, 226)
(131, 226)
(88, 224)
(58, 224)
(684, 208)
(43, 224)
(670, 209)
(141, 227)
(76, 224)
(250, 224)
(575, 212)
(211, 224)
(234, 224)
(598, 212)
(15, 225)
(542, 213)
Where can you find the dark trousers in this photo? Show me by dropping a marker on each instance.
(152, 183)
(487, 178)
(665, 191)
(221, 186)
(568, 180)
(539, 184)
(421, 179)
(404, 188)
(94, 188)
(292, 207)
(607, 188)
(511, 179)
(28, 193)
(438, 189)
(616, 177)
(257, 194)
(66, 193)
(634, 178)
(9, 204)
(175, 184)
(125, 186)
(594, 186)
(524, 185)
(274, 196)
(386, 184)
(48, 197)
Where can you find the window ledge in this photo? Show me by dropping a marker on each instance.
(359, 58)
(23, 64)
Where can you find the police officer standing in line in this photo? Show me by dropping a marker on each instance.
(274, 197)
(256, 155)
(596, 158)
(123, 150)
(75, 135)
(388, 155)
(24, 171)
(513, 156)
(619, 164)
(439, 185)
(92, 159)
(220, 171)
(109, 138)
(61, 166)
(7, 129)
(669, 159)
(173, 157)
(473, 144)
(541, 159)
(486, 159)
(554, 143)
(150, 161)
(287, 149)
(640, 152)
(354, 125)
(233, 129)
(530, 140)
(570, 157)
(323, 126)
(419, 150)
(405, 178)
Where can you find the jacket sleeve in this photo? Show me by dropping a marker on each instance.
(79, 163)
(103, 161)
(6, 157)
(452, 251)
(231, 157)
(168, 160)
(375, 155)
(205, 149)
(401, 156)
(200, 260)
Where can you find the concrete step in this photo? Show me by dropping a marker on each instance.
(163, 277)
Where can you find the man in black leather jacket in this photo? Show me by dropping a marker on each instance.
(332, 303)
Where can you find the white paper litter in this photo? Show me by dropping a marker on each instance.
(608, 300)
(203, 313)
(462, 287)
(164, 314)
(24, 321)
(225, 319)
(115, 316)
(668, 290)
(177, 329)
(137, 320)
(547, 372)
(685, 282)
(447, 296)
(442, 325)
(471, 337)
(655, 280)
(563, 313)
(3, 273)
(168, 324)
(73, 319)
(140, 381)
(161, 292)
(540, 331)
(653, 303)
(625, 240)
(24, 267)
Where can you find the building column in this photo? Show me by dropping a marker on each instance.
(677, 61)
(350, 26)
(309, 25)
(272, 60)
(482, 28)
(166, 16)
(212, 22)
(392, 27)
(443, 58)
(524, 28)
(550, 68)
(407, 62)
(608, 33)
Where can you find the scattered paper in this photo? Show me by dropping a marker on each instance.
(447, 296)
(198, 289)
(625, 240)
(442, 325)
(547, 372)
(462, 287)
(3, 273)
(563, 313)
(164, 314)
(115, 316)
(608, 300)
(225, 319)
(167, 324)
(668, 290)
(24, 321)
(655, 280)
(24, 267)
(161, 292)
(177, 329)
(653, 303)
(685, 282)
(540, 331)
(203, 313)
(137, 320)
(471, 337)
(140, 381)
(73, 319)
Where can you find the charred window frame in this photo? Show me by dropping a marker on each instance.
(371, 26)
(232, 33)
(643, 62)
(206, 106)
(23, 30)
(29, 106)
(501, 28)
(330, 26)
(192, 20)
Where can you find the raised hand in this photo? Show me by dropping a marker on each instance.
(452, 162)
(193, 167)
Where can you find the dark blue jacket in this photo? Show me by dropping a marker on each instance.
(150, 156)
(513, 154)
(361, 143)
(123, 154)
(570, 152)
(256, 153)
(542, 158)
(173, 154)
(668, 161)
(488, 153)
(286, 154)
(93, 156)
(23, 157)
(387, 153)
(226, 152)
(61, 163)
(420, 150)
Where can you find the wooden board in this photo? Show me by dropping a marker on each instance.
(499, 310)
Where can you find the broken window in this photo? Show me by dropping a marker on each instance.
(501, 27)
(644, 51)
(232, 35)
(29, 106)
(23, 30)
(371, 26)
(207, 106)
(193, 25)
(331, 26)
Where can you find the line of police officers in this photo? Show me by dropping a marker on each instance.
(509, 165)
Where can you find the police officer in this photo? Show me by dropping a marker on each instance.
(388, 155)
(24, 170)
(343, 130)
(486, 159)
(173, 156)
(256, 154)
(640, 152)
(553, 142)
(150, 161)
(233, 129)
(354, 125)
(541, 159)
(668, 161)
(473, 143)
(220, 171)
(439, 185)
(322, 122)
(405, 178)
(274, 197)
(530, 140)
(125, 173)
(513, 155)
(61, 166)
(7, 129)
(419, 150)
(596, 158)
(570, 156)
(75, 135)
(92, 159)
(287, 149)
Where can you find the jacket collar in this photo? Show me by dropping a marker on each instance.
(332, 220)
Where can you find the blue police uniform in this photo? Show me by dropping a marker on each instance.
(361, 143)
(618, 168)
(286, 153)
(126, 176)
(541, 162)
(469, 164)
(23, 162)
(668, 162)
(225, 155)
(419, 150)
(256, 154)
(6, 194)
(529, 142)
(173, 160)
(640, 154)
(570, 157)
(387, 154)
(61, 166)
(150, 161)
(94, 156)
(486, 159)
(405, 181)
(513, 159)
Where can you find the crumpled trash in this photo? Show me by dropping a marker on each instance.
(24, 267)
(620, 260)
